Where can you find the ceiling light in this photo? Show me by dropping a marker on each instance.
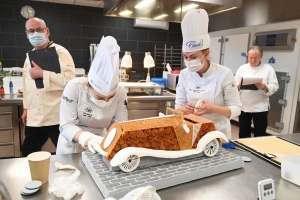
(186, 8)
(225, 10)
(125, 12)
(160, 16)
(143, 3)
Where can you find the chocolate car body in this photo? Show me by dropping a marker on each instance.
(171, 136)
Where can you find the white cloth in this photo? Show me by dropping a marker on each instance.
(104, 71)
(194, 28)
(257, 100)
(66, 187)
(77, 113)
(43, 104)
(216, 86)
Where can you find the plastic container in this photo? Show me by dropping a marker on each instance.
(290, 168)
(11, 87)
(2, 90)
(176, 71)
(1, 70)
(160, 81)
(17, 82)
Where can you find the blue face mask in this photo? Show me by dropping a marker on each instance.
(37, 39)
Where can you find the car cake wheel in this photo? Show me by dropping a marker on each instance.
(130, 164)
(211, 148)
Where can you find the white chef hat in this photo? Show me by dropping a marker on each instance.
(194, 28)
(104, 72)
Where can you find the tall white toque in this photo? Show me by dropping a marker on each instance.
(194, 28)
(104, 72)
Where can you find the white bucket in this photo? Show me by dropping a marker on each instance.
(17, 83)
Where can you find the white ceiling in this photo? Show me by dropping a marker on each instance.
(90, 3)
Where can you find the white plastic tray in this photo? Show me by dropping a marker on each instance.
(290, 168)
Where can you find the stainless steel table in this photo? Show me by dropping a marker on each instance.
(238, 184)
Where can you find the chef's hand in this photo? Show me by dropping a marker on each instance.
(36, 71)
(206, 108)
(24, 116)
(189, 108)
(261, 85)
(90, 141)
(94, 144)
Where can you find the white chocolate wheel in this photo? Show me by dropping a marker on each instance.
(211, 148)
(130, 164)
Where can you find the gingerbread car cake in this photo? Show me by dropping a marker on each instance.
(170, 136)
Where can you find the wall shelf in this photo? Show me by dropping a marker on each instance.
(165, 53)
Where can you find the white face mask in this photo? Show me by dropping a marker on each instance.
(37, 39)
(194, 65)
(101, 103)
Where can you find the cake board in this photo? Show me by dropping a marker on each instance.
(117, 183)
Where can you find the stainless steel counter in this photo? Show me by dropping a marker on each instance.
(165, 96)
(238, 184)
(149, 106)
(168, 96)
(7, 99)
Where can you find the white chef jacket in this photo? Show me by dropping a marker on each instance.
(217, 86)
(78, 112)
(257, 100)
(43, 104)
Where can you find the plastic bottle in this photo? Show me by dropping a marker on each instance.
(2, 90)
(1, 70)
(11, 88)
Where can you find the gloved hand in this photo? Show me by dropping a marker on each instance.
(90, 141)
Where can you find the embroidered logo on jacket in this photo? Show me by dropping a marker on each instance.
(87, 112)
(67, 99)
(197, 89)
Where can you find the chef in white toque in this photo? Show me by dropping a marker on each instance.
(203, 79)
(90, 105)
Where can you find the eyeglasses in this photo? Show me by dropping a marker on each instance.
(38, 30)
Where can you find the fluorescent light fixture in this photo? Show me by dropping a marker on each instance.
(143, 3)
(125, 12)
(160, 16)
(187, 8)
(225, 10)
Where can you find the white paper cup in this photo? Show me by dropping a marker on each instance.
(39, 163)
